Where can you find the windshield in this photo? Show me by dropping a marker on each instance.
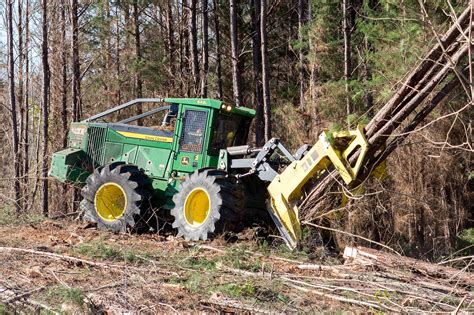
(229, 131)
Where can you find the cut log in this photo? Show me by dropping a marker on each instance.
(372, 257)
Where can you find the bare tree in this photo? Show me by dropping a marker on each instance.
(301, 4)
(236, 76)
(21, 60)
(218, 50)
(46, 81)
(11, 81)
(265, 72)
(138, 56)
(169, 23)
(347, 52)
(205, 47)
(193, 39)
(257, 72)
(118, 92)
(26, 119)
(76, 71)
(64, 73)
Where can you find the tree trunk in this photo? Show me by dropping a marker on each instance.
(26, 137)
(236, 76)
(265, 72)
(46, 76)
(193, 36)
(21, 59)
(369, 99)
(170, 29)
(138, 56)
(76, 79)
(118, 92)
(11, 77)
(205, 47)
(76, 71)
(64, 74)
(300, 50)
(257, 73)
(218, 51)
(64, 123)
(347, 52)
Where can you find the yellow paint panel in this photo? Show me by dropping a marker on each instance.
(145, 137)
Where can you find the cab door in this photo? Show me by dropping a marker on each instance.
(190, 155)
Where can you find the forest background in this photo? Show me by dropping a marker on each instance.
(304, 65)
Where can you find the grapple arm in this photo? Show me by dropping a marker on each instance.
(286, 188)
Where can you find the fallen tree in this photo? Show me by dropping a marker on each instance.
(451, 55)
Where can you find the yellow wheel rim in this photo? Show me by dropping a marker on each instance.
(197, 207)
(110, 201)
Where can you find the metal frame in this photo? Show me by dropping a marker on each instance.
(259, 165)
(123, 106)
(149, 113)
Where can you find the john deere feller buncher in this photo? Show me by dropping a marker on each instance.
(197, 165)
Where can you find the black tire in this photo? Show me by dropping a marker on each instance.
(226, 201)
(133, 184)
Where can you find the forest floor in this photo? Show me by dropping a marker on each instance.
(64, 267)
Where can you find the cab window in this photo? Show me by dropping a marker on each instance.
(194, 125)
(225, 130)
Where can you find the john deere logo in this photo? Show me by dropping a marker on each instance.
(185, 160)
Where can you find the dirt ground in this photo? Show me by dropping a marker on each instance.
(63, 267)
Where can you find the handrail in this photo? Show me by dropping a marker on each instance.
(123, 106)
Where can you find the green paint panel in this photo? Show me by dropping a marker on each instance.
(65, 166)
(129, 153)
(113, 152)
(153, 160)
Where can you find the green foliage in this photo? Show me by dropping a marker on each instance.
(9, 217)
(467, 236)
(199, 263)
(99, 250)
(61, 294)
(3, 309)
(244, 289)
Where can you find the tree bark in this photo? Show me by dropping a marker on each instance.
(23, 123)
(347, 52)
(138, 56)
(301, 20)
(265, 71)
(408, 97)
(193, 39)
(11, 80)
(169, 20)
(21, 59)
(257, 73)
(46, 79)
(218, 50)
(64, 114)
(26, 137)
(236, 76)
(76, 71)
(118, 92)
(416, 76)
(205, 47)
(64, 73)
(419, 117)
